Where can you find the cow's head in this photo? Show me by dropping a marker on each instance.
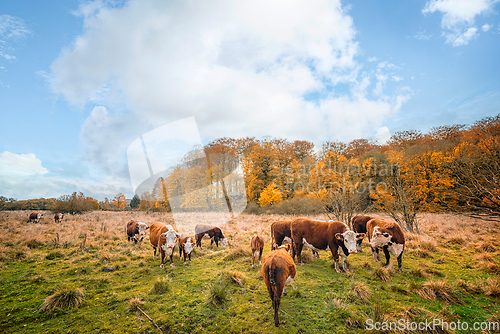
(141, 228)
(188, 245)
(380, 238)
(39, 215)
(223, 242)
(170, 239)
(349, 239)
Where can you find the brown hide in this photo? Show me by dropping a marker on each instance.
(319, 234)
(276, 268)
(358, 224)
(33, 217)
(213, 232)
(132, 229)
(257, 244)
(57, 219)
(386, 227)
(280, 230)
(182, 250)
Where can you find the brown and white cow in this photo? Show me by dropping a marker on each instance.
(35, 217)
(278, 270)
(164, 238)
(136, 231)
(58, 217)
(213, 232)
(386, 236)
(320, 235)
(280, 233)
(186, 245)
(257, 245)
(358, 224)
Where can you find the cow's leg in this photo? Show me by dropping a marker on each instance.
(387, 255)
(299, 253)
(253, 258)
(171, 259)
(162, 253)
(358, 244)
(189, 257)
(154, 252)
(400, 258)
(277, 300)
(216, 241)
(335, 255)
(198, 240)
(343, 256)
(376, 257)
(260, 256)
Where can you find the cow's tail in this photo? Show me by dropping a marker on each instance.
(272, 275)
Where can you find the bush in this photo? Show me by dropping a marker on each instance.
(296, 206)
(218, 292)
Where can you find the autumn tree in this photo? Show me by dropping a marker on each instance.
(270, 195)
(135, 202)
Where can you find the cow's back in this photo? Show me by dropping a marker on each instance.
(155, 230)
(372, 223)
(359, 223)
(281, 228)
(309, 229)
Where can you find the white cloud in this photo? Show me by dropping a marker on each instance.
(241, 68)
(372, 59)
(422, 36)
(397, 78)
(380, 85)
(486, 27)
(20, 164)
(458, 17)
(383, 135)
(12, 31)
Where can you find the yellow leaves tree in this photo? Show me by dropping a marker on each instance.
(270, 195)
(119, 201)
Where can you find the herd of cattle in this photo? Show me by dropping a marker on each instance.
(288, 238)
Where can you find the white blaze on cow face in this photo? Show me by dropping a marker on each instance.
(349, 238)
(188, 246)
(171, 237)
(379, 239)
(223, 242)
(38, 216)
(142, 231)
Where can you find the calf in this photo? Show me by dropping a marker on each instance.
(257, 245)
(280, 233)
(319, 235)
(35, 217)
(386, 236)
(136, 231)
(164, 237)
(358, 224)
(186, 246)
(213, 232)
(278, 270)
(58, 217)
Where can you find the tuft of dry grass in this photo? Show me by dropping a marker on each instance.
(358, 291)
(491, 287)
(383, 274)
(235, 276)
(470, 287)
(64, 299)
(438, 290)
(161, 286)
(133, 303)
(486, 246)
(236, 253)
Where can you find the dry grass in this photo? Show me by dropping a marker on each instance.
(235, 276)
(383, 274)
(491, 287)
(64, 299)
(438, 290)
(133, 303)
(358, 291)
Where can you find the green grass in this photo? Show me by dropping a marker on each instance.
(219, 292)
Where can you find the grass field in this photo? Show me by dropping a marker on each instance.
(451, 271)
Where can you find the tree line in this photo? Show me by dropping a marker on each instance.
(450, 168)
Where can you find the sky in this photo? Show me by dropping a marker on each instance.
(80, 81)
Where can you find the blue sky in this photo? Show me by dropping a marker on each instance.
(80, 81)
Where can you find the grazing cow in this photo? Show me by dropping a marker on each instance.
(164, 237)
(319, 235)
(58, 217)
(35, 217)
(186, 245)
(280, 233)
(213, 232)
(386, 236)
(136, 231)
(257, 245)
(278, 270)
(358, 224)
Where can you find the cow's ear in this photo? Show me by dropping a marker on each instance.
(360, 236)
(339, 236)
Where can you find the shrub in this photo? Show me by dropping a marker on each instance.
(65, 298)
(54, 255)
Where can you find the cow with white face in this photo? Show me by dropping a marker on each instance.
(164, 238)
(136, 231)
(186, 245)
(386, 236)
(58, 217)
(35, 217)
(318, 235)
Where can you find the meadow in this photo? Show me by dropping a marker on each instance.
(451, 271)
